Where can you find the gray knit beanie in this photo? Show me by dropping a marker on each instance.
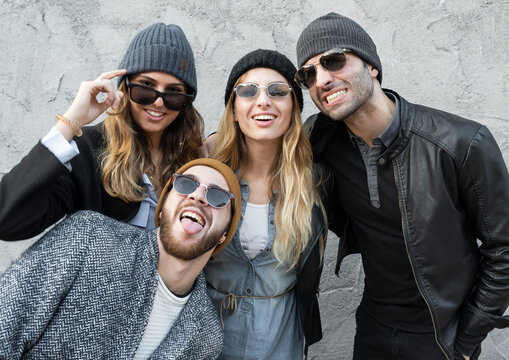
(336, 31)
(163, 48)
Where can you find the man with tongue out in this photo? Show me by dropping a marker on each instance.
(93, 287)
(415, 190)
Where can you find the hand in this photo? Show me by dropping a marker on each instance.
(466, 357)
(85, 108)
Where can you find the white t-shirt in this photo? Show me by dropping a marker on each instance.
(165, 311)
(254, 231)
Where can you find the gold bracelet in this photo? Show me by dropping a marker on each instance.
(76, 130)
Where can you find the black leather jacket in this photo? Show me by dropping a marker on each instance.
(453, 189)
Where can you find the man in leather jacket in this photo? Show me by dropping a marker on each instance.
(422, 195)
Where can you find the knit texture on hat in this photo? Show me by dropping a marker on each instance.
(268, 59)
(233, 185)
(163, 48)
(336, 31)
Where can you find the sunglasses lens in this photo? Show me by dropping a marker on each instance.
(278, 89)
(184, 185)
(175, 101)
(246, 90)
(142, 96)
(333, 61)
(306, 76)
(217, 198)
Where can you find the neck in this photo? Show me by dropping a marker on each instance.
(373, 117)
(261, 156)
(177, 274)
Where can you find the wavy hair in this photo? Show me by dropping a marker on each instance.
(291, 178)
(126, 156)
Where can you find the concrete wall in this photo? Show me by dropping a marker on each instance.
(449, 54)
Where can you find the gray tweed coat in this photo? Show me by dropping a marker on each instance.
(85, 291)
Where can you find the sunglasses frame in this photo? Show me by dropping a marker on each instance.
(159, 94)
(266, 88)
(231, 196)
(300, 80)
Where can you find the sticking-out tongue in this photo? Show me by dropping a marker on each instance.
(191, 227)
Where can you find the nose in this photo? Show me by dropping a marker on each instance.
(159, 102)
(263, 98)
(323, 77)
(199, 194)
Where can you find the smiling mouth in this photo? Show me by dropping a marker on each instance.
(193, 217)
(332, 97)
(154, 113)
(264, 117)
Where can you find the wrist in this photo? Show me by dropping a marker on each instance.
(67, 127)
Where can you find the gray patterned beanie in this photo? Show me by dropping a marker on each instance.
(336, 31)
(161, 47)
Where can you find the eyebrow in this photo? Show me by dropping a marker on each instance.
(145, 77)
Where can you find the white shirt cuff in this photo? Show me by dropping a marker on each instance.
(60, 147)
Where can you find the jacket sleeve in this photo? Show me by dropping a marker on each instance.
(40, 190)
(484, 183)
(34, 285)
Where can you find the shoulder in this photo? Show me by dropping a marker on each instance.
(451, 132)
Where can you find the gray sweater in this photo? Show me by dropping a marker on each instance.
(85, 291)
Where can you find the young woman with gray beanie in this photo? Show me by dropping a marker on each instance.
(118, 166)
(264, 282)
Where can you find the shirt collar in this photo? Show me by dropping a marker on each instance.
(391, 132)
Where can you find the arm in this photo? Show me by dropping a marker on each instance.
(34, 286)
(40, 190)
(484, 184)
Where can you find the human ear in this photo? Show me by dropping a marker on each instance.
(222, 239)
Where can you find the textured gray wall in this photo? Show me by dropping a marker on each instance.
(448, 54)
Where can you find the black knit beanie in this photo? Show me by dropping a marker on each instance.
(163, 48)
(336, 31)
(267, 59)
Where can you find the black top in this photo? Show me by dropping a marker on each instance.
(390, 294)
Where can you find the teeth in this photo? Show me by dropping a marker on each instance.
(264, 117)
(193, 216)
(334, 96)
(155, 113)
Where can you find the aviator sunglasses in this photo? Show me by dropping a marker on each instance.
(216, 196)
(333, 60)
(145, 95)
(251, 90)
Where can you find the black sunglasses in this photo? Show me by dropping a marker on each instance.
(145, 95)
(274, 90)
(332, 60)
(216, 196)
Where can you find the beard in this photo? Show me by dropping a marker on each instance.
(361, 88)
(182, 248)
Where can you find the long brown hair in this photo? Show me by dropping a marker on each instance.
(291, 177)
(126, 156)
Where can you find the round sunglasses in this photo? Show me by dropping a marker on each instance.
(216, 196)
(333, 60)
(145, 95)
(274, 90)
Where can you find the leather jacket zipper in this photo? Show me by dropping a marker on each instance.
(403, 210)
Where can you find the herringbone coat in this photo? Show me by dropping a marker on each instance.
(85, 291)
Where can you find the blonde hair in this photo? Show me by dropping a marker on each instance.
(291, 177)
(126, 156)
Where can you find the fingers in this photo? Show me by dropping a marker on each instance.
(111, 74)
(104, 84)
(116, 101)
